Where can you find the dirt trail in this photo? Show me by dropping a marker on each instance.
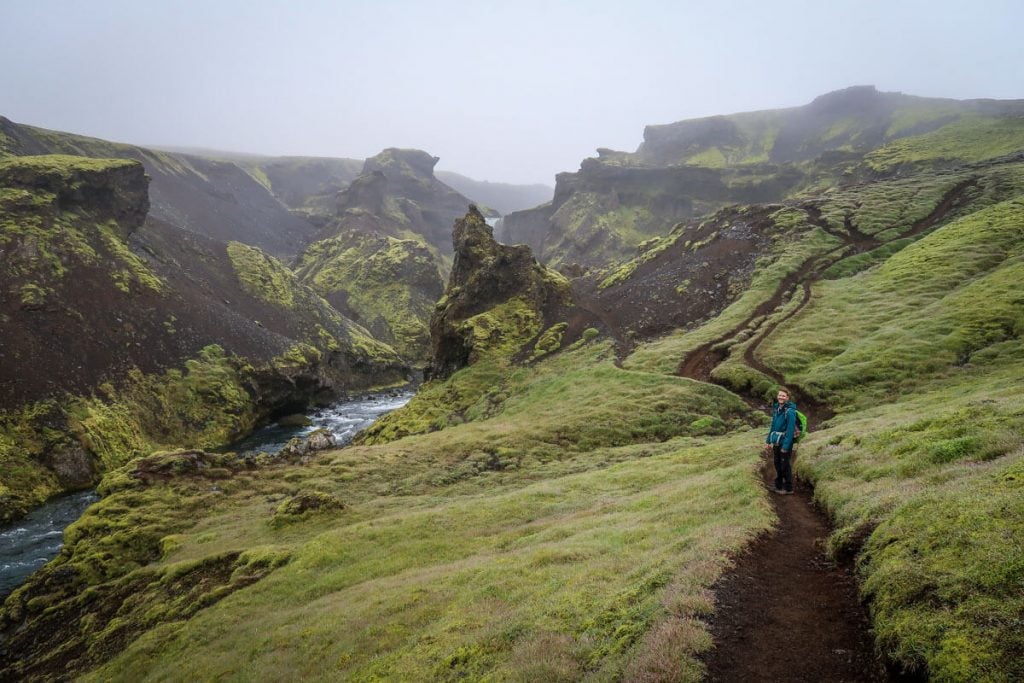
(785, 613)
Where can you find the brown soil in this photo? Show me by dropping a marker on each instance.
(785, 612)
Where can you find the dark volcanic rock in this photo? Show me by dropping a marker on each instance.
(106, 189)
(498, 300)
(397, 194)
(381, 257)
(211, 197)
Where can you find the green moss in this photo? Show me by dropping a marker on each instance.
(598, 228)
(913, 116)
(63, 166)
(297, 356)
(855, 264)
(304, 504)
(712, 157)
(950, 292)
(262, 276)
(204, 407)
(969, 139)
(389, 284)
(501, 331)
(567, 514)
(134, 269)
(550, 341)
(24, 440)
(652, 248)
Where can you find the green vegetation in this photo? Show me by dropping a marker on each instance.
(923, 355)
(588, 534)
(550, 341)
(204, 406)
(969, 139)
(24, 481)
(64, 167)
(952, 294)
(389, 285)
(134, 269)
(547, 514)
(263, 276)
(50, 237)
(598, 229)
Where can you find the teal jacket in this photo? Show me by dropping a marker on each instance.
(783, 425)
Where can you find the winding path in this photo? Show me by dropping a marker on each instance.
(786, 612)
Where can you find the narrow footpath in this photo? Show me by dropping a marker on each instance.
(785, 612)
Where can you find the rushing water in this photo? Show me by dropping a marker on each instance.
(36, 539)
(343, 419)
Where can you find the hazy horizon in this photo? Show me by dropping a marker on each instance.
(504, 93)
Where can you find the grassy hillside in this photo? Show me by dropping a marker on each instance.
(917, 345)
(558, 501)
(585, 541)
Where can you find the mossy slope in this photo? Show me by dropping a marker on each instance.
(108, 317)
(590, 536)
(380, 256)
(215, 198)
(389, 285)
(917, 345)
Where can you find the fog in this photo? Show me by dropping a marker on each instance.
(502, 91)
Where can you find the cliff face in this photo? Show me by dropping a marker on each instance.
(210, 197)
(99, 300)
(682, 170)
(498, 300)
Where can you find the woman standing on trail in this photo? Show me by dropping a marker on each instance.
(780, 440)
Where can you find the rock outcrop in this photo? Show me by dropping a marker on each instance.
(498, 301)
(381, 257)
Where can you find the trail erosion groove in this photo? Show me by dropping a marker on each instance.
(785, 612)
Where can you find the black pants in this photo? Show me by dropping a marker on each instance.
(783, 468)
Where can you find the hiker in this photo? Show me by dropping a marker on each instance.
(781, 436)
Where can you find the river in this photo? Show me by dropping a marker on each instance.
(31, 542)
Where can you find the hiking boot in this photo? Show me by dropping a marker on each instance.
(786, 493)
(778, 490)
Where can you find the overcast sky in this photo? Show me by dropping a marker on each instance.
(505, 91)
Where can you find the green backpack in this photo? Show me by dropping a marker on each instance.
(801, 426)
